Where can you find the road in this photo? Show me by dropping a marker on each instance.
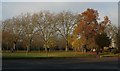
(66, 63)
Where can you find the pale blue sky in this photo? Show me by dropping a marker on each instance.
(10, 9)
(59, 0)
(0, 10)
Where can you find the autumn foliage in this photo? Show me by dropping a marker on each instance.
(89, 27)
(61, 31)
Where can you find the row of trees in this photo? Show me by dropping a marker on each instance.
(64, 30)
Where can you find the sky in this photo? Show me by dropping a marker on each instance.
(10, 9)
(59, 0)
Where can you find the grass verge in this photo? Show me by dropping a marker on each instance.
(40, 55)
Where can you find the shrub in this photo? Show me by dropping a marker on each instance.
(114, 51)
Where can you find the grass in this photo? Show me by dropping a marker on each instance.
(54, 54)
(108, 54)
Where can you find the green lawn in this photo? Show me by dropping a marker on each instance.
(54, 54)
(108, 54)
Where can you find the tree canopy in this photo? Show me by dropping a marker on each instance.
(64, 30)
(102, 40)
(88, 28)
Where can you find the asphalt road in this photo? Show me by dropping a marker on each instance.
(66, 63)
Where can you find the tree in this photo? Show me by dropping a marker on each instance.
(6, 40)
(77, 44)
(24, 27)
(86, 28)
(30, 29)
(46, 26)
(102, 40)
(89, 27)
(65, 24)
(11, 32)
(0, 36)
(49, 30)
(118, 39)
(37, 43)
(112, 32)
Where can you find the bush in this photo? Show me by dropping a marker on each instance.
(106, 50)
(114, 51)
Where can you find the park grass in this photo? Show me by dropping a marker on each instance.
(40, 55)
(52, 54)
(108, 54)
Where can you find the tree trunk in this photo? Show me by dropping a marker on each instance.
(39, 49)
(78, 49)
(7, 47)
(97, 51)
(14, 46)
(28, 49)
(11, 50)
(75, 49)
(66, 48)
(45, 47)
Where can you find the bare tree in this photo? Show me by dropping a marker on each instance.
(46, 25)
(30, 28)
(65, 24)
(11, 27)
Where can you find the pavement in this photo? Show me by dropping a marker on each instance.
(65, 63)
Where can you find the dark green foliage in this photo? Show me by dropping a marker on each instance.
(102, 40)
(114, 51)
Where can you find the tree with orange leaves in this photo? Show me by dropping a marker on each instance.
(89, 27)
